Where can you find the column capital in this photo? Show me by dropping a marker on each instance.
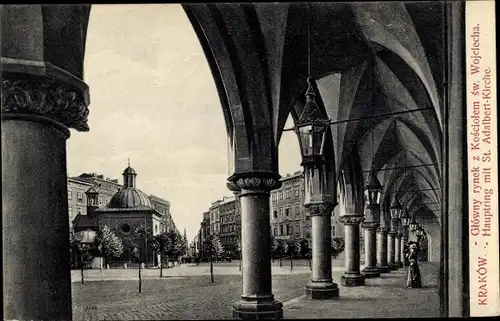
(231, 185)
(39, 96)
(370, 224)
(320, 208)
(257, 181)
(382, 229)
(351, 219)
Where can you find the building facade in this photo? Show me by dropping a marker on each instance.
(228, 234)
(163, 207)
(77, 200)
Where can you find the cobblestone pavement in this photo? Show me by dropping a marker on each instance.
(195, 297)
(384, 297)
(192, 297)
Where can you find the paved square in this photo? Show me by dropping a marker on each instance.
(187, 293)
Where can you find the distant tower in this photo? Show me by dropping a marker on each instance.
(92, 200)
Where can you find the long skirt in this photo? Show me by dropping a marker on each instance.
(413, 279)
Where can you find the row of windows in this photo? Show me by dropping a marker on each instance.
(79, 195)
(228, 228)
(226, 219)
(286, 194)
(286, 230)
(79, 210)
(286, 211)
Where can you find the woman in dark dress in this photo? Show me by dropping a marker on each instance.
(413, 279)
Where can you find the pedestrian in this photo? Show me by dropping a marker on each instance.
(413, 277)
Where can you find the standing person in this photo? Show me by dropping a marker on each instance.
(413, 278)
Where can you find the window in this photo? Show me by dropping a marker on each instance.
(79, 196)
(280, 212)
(288, 229)
(296, 189)
(275, 214)
(297, 210)
(79, 210)
(275, 231)
(156, 228)
(287, 212)
(274, 197)
(333, 230)
(70, 211)
(281, 229)
(70, 195)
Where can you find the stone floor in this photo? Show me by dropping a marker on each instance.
(384, 297)
(187, 293)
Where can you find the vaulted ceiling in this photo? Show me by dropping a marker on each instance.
(378, 69)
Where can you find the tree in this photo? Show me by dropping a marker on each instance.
(162, 244)
(212, 246)
(140, 238)
(181, 245)
(282, 250)
(107, 243)
(84, 253)
(293, 247)
(307, 246)
(274, 247)
(338, 245)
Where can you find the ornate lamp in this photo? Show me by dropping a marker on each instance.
(311, 129)
(373, 190)
(395, 209)
(413, 225)
(405, 218)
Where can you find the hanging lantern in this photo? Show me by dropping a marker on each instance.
(413, 225)
(373, 190)
(311, 129)
(405, 218)
(395, 209)
(420, 232)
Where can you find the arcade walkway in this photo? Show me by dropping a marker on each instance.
(194, 297)
(384, 297)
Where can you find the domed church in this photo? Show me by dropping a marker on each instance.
(129, 208)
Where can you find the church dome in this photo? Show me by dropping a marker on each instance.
(129, 197)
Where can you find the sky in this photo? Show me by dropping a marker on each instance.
(153, 100)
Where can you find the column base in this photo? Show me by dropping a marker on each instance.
(353, 279)
(384, 268)
(371, 272)
(322, 290)
(257, 310)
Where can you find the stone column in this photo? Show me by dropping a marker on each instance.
(382, 250)
(321, 285)
(36, 114)
(397, 250)
(370, 230)
(391, 245)
(257, 300)
(391, 253)
(404, 240)
(352, 275)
